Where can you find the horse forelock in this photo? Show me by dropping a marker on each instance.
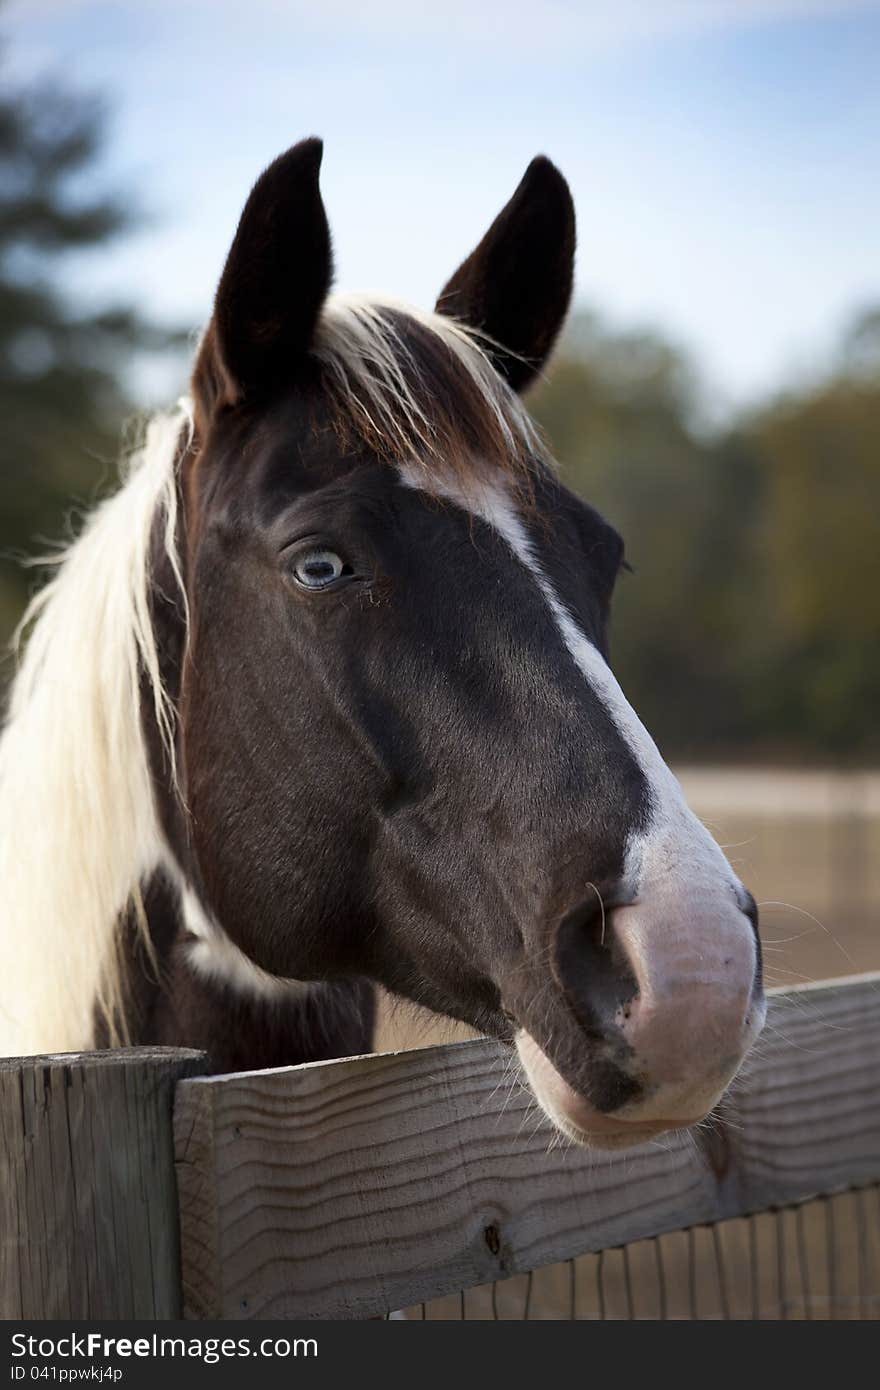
(421, 390)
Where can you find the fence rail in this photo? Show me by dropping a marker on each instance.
(349, 1188)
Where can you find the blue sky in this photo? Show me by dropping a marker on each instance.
(722, 153)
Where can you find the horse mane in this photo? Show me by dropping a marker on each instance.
(79, 831)
(78, 827)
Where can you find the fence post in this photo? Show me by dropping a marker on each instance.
(88, 1199)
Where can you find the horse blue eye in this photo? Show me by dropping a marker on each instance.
(318, 569)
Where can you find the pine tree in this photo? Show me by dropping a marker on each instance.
(62, 393)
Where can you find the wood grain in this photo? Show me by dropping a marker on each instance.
(349, 1188)
(88, 1202)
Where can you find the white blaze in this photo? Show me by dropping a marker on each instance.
(690, 944)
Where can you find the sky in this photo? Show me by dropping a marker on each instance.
(722, 153)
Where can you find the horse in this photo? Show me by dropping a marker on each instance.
(319, 704)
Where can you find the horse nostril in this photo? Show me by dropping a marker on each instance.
(592, 968)
(750, 908)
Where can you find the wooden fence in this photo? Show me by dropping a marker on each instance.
(131, 1185)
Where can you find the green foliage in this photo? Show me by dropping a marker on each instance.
(820, 464)
(752, 622)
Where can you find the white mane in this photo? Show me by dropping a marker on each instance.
(78, 826)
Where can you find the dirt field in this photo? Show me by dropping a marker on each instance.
(808, 847)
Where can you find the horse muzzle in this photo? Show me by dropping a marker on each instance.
(651, 1018)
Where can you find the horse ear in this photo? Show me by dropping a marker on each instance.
(276, 277)
(516, 286)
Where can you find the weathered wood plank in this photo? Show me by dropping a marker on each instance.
(348, 1188)
(88, 1200)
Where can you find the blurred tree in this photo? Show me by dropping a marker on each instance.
(860, 350)
(819, 456)
(62, 398)
(752, 622)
